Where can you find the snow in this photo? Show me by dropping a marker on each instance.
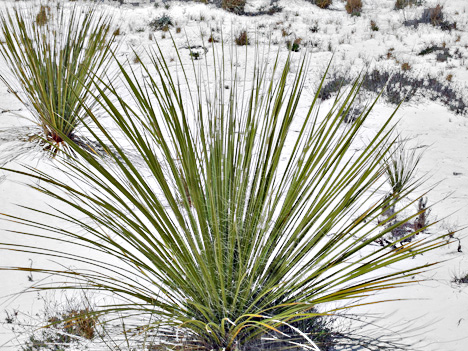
(438, 308)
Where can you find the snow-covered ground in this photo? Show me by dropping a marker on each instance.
(437, 307)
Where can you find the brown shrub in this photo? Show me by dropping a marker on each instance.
(323, 4)
(242, 39)
(43, 16)
(354, 7)
(236, 6)
(401, 4)
(80, 323)
(435, 15)
(212, 39)
(405, 66)
(75, 322)
(390, 53)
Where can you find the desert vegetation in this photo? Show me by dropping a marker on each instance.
(162, 23)
(463, 279)
(400, 86)
(51, 59)
(226, 253)
(236, 6)
(401, 4)
(323, 4)
(354, 7)
(242, 38)
(230, 206)
(434, 16)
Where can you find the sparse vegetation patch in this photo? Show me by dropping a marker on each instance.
(401, 4)
(433, 16)
(242, 39)
(401, 86)
(294, 45)
(161, 23)
(431, 49)
(61, 328)
(463, 279)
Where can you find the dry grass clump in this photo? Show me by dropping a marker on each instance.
(242, 39)
(77, 322)
(236, 6)
(374, 26)
(136, 59)
(62, 330)
(212, 39)
(353, 7)
(434, 15)
(405, 66)
(294, 45)
(401, 4)
(323, 4)
(43, 16)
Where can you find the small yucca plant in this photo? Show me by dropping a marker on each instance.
(241, 215)
(52, 57)
(400, 168)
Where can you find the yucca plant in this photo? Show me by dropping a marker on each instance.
(400, 167)
(51, 56)
(246, 217)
